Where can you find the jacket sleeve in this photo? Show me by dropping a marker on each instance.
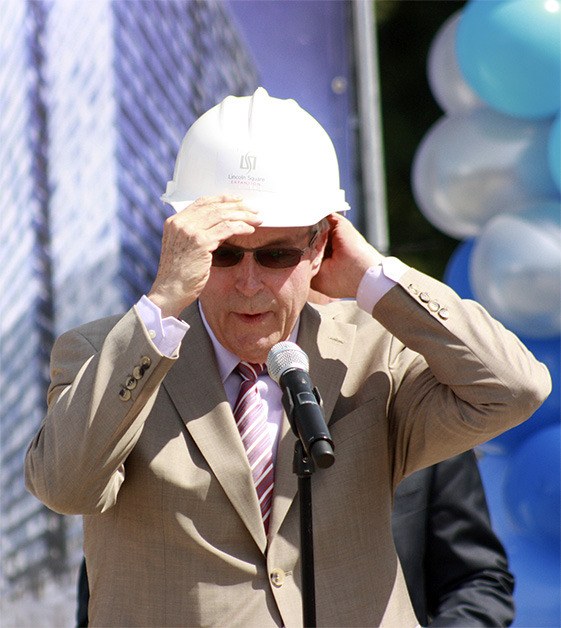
(105, 377)
(458, 377)
(467, 579)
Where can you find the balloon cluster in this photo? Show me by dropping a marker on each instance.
(488, 173)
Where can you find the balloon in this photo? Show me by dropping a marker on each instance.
(456, 273)
(493, 467)
(533, 487)
(547, 351)
(533, 558)
(535, 567)
(469, 168)
(510, 54)
(446, 81)
(515, 270)
(554, 151)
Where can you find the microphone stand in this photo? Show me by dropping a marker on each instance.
(321, 452)
(303, 467)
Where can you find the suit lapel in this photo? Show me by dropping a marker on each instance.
(208, 416)
(200, 399)
(328, 345)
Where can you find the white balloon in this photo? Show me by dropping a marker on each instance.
(445, 78)
(470, 168)
(515, 270)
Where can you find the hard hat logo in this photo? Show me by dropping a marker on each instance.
(268, 149)
(248, 162)
(242, 183)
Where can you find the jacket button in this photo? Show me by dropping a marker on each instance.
(444, 314)
(277, 577)
(145, 362)
(425, 297)
(137, 372)
(434, 306)
(130, 384)
(124, 394)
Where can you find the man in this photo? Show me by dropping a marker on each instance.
(142, 432)
(454, 565)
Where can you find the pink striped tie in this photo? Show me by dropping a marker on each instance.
(251, 420)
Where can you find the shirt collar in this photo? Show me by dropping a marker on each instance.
(227, 361)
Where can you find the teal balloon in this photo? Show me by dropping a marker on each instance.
(509, 52)
(554, 151)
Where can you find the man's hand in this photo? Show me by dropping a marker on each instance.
(348, 256)
(188, 241)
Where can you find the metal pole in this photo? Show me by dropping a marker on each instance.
(370, 127)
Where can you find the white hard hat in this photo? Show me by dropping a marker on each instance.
(269, 151)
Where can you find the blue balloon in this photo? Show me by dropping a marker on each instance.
(509, 52)
(533, 485)
(536, 569)
(547, 351)
(554, 151)
(456, 273)
(534, 561)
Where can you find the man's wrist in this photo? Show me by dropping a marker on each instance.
(163, 304)
(378, 280)
(165, 332)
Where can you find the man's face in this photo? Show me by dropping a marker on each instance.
(250, 307)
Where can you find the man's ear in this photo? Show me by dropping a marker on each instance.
(319, 251)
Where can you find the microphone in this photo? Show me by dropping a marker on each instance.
(288, 366)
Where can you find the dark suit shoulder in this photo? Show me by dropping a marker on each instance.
(413, 492)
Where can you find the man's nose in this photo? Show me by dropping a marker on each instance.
(248, 275)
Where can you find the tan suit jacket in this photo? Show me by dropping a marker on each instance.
(172, 527)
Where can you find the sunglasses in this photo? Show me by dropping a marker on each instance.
(271, 257)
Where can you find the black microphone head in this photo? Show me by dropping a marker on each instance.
(284, 356)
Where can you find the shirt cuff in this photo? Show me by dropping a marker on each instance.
(378, 280)
(166, 333)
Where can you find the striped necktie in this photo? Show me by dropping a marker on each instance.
(251, 420)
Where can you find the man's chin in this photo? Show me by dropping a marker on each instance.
(256, 349)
